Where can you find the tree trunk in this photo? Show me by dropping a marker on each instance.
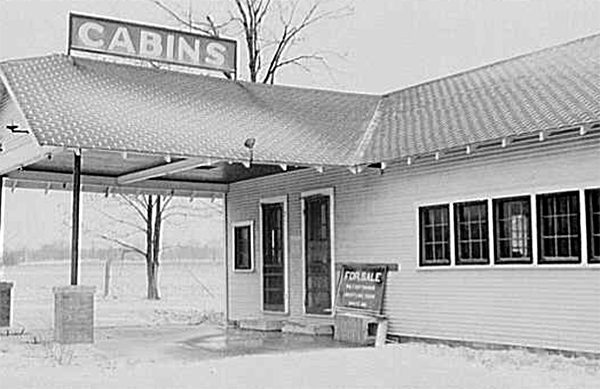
(151, 265)
(156, 246)
(152, 276)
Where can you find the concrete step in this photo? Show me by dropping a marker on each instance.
(261, 325)
(308, 329)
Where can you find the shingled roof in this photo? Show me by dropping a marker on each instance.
(84, 103)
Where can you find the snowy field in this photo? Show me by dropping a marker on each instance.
(189, 290)
(143, 344)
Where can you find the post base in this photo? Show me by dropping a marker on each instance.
(74, 314)
(5, 303)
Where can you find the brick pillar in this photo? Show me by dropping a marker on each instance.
(74, 314)
(5, 301)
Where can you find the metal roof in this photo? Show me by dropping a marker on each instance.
(91, 104)
(544, 90)
(74, 102)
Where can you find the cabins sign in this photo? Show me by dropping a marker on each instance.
(133, 40)
(361, 287)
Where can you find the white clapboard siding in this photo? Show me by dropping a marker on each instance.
(376, 221)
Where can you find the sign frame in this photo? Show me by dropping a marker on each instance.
(126, 23)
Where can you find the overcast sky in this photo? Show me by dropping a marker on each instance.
(388, 44)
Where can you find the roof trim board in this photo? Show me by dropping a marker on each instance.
(110, 184)
(163, 170)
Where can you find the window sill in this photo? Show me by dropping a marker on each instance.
(510, 267)
(243, 271)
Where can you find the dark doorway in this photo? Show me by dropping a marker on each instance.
(317, 240)
(273, 257)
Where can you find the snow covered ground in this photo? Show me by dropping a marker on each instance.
(164, 344)
(155, 357)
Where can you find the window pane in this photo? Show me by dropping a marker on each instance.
(425, 218)
(504, 249)
(575, 247)
(563, 225)
(475, 250)
(464, 250)
(558, 216)
(563, 247)
(435, 230)
(439, 251)
(428, 251)
(475, 231)
(428, 234)
(438, 235)
(596, 258)
(443, 216)
(463, 231)
(548, 247)
(547, 225)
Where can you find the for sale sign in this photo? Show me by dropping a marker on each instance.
(134, 40)
(361, 287)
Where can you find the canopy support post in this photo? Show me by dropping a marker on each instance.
(75, 217)
(1, 218)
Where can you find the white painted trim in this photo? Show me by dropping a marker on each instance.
(491, 230)
(286, 293)
(3, 193)
(583, 250)
(326, 192)
(452, 237)
(534, 231)
(516, 266)
(584, 220)
(163, 170)
(246, 223)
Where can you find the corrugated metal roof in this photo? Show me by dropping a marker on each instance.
(548, 89)
(94, 104)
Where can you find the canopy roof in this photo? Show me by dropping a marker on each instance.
(159, 116)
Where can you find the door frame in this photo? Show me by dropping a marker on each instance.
(330, 193)
(274, 200)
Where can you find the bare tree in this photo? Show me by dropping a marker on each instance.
(272, 31)
(135, 224)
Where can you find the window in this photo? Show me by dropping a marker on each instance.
(512, 230)
(242, 247)
(471, 231)
(434, 227)
(558, 228)
(592, 209)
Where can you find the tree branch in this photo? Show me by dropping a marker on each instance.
(202, 28)
(138, 207)
(123, 244)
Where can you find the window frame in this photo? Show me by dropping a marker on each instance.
(591, 259)
(242, 224)
(538, 207)
(496, 201)
(486, 235)
(283, 199)
(421, 237)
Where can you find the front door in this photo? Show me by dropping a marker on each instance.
(317, 241)
(273, 258)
